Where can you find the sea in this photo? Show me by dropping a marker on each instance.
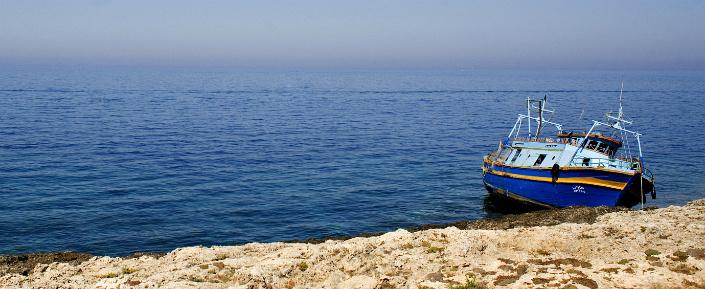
(118, 160)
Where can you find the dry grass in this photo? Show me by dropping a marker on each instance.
(469, 284)
(652, 252)
(684, 269)
(302, 266)
(127, 270)
(109, 275)
(434, 249)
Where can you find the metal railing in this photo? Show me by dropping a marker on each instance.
(542, 139)
(605, 163)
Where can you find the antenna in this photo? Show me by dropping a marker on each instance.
(619, 120)
(540, 120)
(621, 91)
(581, 114)
(528, 113)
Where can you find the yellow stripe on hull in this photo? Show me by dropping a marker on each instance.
(496, 163)
(584, 181)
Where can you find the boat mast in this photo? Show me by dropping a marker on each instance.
(541, 108)
(540, 119)
(641, 174)
(621, 91)
(528, 113)
(619, 120)
(542, 103)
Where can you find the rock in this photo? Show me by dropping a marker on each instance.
(358, 282)
(603, 249)
(435, 276)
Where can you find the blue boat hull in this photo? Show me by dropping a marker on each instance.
(572, 187)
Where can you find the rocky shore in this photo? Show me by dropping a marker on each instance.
(572, 248)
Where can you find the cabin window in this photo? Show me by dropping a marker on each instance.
(539, 160)
(586, 162)
(602, 147)
(516, 155)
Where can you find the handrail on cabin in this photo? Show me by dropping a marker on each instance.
(545, 139)
(605, 163)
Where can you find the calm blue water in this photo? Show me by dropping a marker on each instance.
(116, 161)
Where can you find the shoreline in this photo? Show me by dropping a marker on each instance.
(23, 263)
(580, 247)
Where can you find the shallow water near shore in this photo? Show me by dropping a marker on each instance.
(117, 161)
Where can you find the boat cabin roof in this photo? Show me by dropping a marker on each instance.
(597, 136)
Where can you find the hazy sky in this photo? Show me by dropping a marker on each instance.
(356, 34)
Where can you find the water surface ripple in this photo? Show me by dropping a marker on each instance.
(112, 162)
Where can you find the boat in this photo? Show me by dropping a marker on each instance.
(572, 168)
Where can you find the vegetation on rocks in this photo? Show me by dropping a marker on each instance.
(302, 266)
